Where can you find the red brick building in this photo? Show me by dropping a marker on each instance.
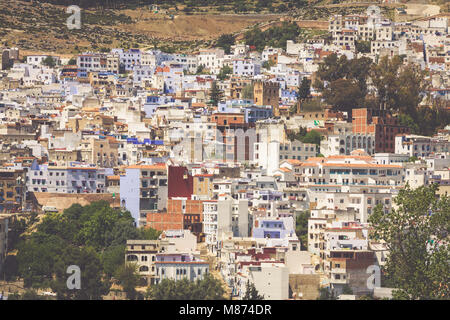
(380, 123)
(181, 214)
(226, 119)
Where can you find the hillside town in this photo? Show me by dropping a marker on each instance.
(239, 159)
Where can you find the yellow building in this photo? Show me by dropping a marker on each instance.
(203, 186)
(12, 190)
(267, 93)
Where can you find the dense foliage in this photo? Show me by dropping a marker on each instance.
(92, 237)
(208, 288)
(274, 36)
(225, 73)
(343, 82)
(394, 86)
(301, 228)
(304, 90)
(251, 293)
(416, 233)
(236, 5)
(225, 41)
(215, 94)
(305, 136)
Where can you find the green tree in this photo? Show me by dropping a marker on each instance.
(128, 278)
(413, 159)
(304, 90)
(398, 87)
(92, 237)
(225, 41)
(312, 136)
(416, 233)
(17, 228)
(408, 121)
(362, 46)
(112, 259)
(224, 72)
(344, 95)
(347, 290)
(10, 268)
(358, 71)
(215, 94)
(301, 228)
(332, 68)
(247, 92)
(92, 285)
(268, 64)
(251, 293)
(276, 36)
(36, 258)
(72, 61)
(343, 82)
(148, 234)
(208, 288)
(326, 294)
(49, 62)
(200, 69)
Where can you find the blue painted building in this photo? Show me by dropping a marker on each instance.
(274, 228)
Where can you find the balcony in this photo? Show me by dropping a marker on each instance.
(339, 281)
(338, 271)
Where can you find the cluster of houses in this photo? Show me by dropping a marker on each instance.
(140, 130)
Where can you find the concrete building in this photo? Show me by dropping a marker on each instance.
(12, 190)
(66, 179)
(379, 123)
(267, 93)
(246, 67)
(143, 252)
(271, 280)
(413, 145)
(345, 143)
(178, 266)
(143, 189)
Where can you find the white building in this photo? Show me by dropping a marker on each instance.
(345, 143)
(271, 280)
(413, 145)
(246, 67)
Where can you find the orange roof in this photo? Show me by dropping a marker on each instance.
(285, 169)
(165, 69)
(87, 109)
(294, 161)
(362, 165)
(352, 157)
(112, 177)
(156, 166)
